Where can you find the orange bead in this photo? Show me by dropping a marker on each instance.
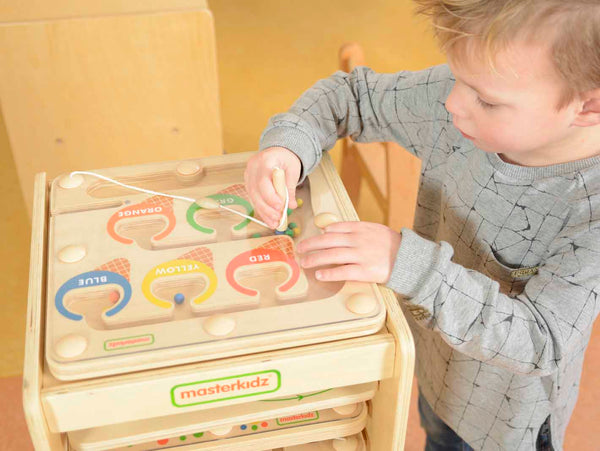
(114, 296)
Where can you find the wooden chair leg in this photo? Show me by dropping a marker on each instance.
(350, 56)
(350, 172)
(403, 174)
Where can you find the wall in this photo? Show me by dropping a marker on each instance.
(269, 52)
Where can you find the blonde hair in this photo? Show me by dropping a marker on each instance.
(572, 28)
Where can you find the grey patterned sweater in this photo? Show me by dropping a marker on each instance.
(501, 276)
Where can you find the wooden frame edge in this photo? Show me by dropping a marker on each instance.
(33, 363)
(388, 425)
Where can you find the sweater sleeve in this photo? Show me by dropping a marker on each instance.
(531, 333)
(405, 107)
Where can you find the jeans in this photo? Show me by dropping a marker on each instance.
(441, 438)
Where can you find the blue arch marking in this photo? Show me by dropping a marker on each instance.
(91, 279)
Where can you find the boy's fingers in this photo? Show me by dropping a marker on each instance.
(264, 211)
(343, 227)
(261, 215)
(293, 204)
(344, 272)
(267, 202)
(291, 187)
(324, 241)
(337, 256)
(269, 195)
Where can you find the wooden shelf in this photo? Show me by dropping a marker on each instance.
(136, 396)
(218, 392)
(248, 422)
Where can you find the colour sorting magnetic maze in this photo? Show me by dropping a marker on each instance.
(350, 418)
(134, 274)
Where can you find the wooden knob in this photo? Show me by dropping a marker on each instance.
(345, 444)
(70, 181)
(221, 431)
(189, 171)
(322, 220)
(71, 346)
(219, 325)
(345, 410)
(71, 254)
(361, 304)
(188, 168)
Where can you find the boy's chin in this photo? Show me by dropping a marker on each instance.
(500, 152)
(501, 155)
(505, 158)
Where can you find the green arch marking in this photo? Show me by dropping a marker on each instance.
(225, 199)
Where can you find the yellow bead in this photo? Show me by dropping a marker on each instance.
(299, 202)
(297, 231)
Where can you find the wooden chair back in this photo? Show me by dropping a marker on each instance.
(89, 84)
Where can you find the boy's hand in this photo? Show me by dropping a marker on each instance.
(363, 251)
(259, 182)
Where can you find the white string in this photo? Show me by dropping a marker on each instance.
(188, 199)
(285, 206)
(258, 221)
(103, 177)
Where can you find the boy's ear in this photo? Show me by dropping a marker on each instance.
(590, 111)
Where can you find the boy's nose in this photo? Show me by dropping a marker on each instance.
(454, 105)
(458, 104)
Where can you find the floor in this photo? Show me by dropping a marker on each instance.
(261, 44)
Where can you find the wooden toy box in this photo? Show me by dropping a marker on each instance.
(154, 323)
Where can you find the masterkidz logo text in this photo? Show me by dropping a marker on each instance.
(226, 388)
(128, 342)
(298, 418)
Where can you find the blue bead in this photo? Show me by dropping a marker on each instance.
(277, 232)
(179, 298)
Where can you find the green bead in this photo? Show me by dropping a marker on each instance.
(255, 235)
(292, 225)
(289, 211)
(198, 434)
(289, 233)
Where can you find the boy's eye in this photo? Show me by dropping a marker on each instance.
(484, 104)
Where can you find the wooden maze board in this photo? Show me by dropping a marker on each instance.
(138, 281)
(341, 426)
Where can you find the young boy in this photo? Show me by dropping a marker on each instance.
(501, 274)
